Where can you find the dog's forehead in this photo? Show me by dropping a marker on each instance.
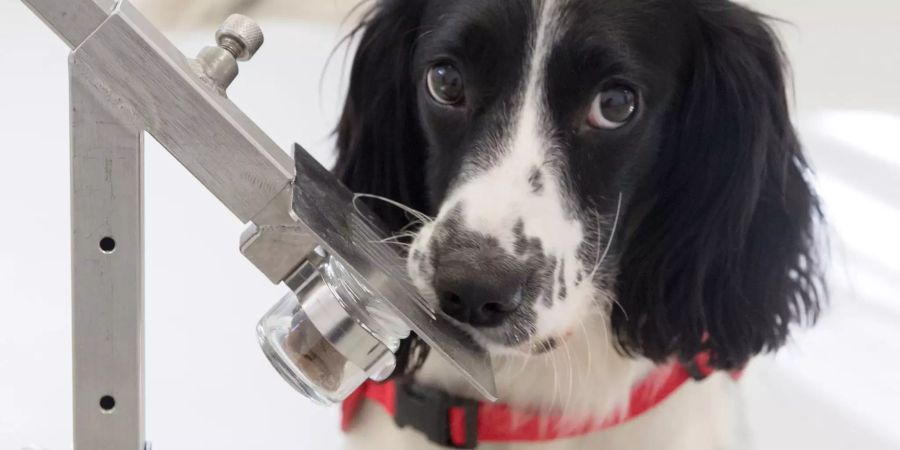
(488, 34)
(584, 40)
(611, 22)
(648, 38)
(490, 15)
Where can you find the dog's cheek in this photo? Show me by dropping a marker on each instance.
(555, 320)
(565, 315)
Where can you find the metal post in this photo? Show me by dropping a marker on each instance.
(107, 274)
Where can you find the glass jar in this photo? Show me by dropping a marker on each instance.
(330, 333)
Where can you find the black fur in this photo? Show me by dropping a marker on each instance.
(379, 138)
(710, 265)
(718, 251)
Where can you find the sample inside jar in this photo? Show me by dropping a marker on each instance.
(314, 355)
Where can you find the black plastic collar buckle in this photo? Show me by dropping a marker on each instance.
(428, 410)
(694, 369)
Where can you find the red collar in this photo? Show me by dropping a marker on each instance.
(461, 423)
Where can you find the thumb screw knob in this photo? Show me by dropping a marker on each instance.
(240, 36)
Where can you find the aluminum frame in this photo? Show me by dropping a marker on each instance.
(127, 79)
(107, 277)
(117, 70)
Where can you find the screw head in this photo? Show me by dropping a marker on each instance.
(243, 30)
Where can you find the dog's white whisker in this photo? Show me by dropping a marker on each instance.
(606, 335)
(609, 240)
(571, 376)
(596, 245)
(425, 218)
(587, 340)
(397, 237)
(411, 224)
(398, 244)
(556, 390)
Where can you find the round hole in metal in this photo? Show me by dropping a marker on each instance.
(107, 245)
(107, 404)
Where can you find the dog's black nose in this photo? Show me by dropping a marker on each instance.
(477, 293)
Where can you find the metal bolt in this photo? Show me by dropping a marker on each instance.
(240, 36)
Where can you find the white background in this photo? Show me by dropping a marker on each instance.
(208, 385)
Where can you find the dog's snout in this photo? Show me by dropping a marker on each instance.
(474, 292)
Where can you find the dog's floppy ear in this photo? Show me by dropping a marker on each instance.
(381, 150)
(380, 147)
(723, 259)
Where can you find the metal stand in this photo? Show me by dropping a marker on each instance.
(127, 79)
(107, 275)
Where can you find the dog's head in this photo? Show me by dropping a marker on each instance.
(632, 159)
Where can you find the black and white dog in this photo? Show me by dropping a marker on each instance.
(611, 185)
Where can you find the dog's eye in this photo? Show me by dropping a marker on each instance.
(612, 108)
(445, 84)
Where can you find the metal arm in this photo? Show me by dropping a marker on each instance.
(73, 20)
(129, 65)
